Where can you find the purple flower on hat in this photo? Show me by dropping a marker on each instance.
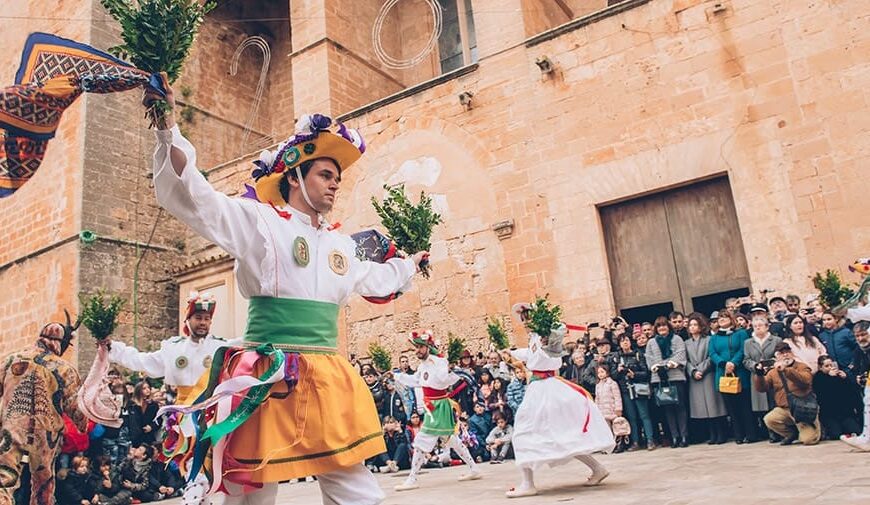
(353, 137)
(320, 122)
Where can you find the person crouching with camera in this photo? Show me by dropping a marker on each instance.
(796, 414)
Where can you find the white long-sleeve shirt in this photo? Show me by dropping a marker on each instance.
(433, 372)
(261, 241)
(535, 358)
(180, 360)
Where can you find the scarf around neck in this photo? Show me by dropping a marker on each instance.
(664, 344)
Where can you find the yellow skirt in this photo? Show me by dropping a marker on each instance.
(327, 422)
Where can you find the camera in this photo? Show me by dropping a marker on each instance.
(764, 366)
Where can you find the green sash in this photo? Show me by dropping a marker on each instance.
(441, 421)
(304, 326)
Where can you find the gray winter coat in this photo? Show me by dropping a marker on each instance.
(705, 402)
(752, 354)
(678, 355)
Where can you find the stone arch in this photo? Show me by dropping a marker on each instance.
(468, 280)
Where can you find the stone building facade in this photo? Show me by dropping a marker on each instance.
(633, 157)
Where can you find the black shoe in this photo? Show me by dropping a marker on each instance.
(712, 441)
(748, 441)
(684, 443)
(675, 443)
(788, 440)
(739, 441)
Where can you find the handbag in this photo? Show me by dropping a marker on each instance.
(803, 409)
(730, 384)
(666, 394)
(639, 389)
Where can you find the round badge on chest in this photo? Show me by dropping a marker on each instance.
(181, 362)
(301, 253)
(425, 376)
(338, 262)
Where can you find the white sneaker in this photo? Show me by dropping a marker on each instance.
(521, 492)
(596, 478)
(472, 475)
(861, 443)
(407, 485)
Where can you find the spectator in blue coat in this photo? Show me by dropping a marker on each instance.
(480, 424)
(839, 341)
(516, 390)
(726, 353)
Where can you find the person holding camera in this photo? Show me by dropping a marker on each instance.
(666, 358)
(632, 375)
(757, 349)
(795, 414)
(705, 403)
(732, 379)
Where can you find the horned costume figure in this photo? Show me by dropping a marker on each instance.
(36, 388)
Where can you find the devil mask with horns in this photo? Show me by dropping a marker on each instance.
(58, 337)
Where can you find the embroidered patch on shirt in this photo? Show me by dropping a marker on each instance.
(180, 362)
(338, 262)
(300, 252)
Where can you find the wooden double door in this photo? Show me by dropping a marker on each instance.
(676, 250)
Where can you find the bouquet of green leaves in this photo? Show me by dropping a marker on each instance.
(409, 226)
(99, 313)
(157, 35)
(543, 317)
(832, 292)
(497, 334)
(455, 346)
(381, 358)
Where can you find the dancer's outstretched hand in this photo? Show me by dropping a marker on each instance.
(420, 257)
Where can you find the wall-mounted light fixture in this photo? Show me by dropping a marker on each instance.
(465, 99)
(545, 65)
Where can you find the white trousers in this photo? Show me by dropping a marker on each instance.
(354, 485)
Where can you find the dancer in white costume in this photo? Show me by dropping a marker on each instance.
(435, 377)
(557, 421)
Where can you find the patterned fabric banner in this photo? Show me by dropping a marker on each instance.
(54, 71)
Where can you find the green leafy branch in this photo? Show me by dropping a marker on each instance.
(409, 226)
(497, 334)
(832, 292)
(455, 347)
(381, 358)
(544, 317)
(157, 35)
(99, 313)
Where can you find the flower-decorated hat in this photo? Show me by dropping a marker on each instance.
(317, 136)
(424, 338)
(197, 302)
(861, 265)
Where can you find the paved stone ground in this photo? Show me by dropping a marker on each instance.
(728, 474)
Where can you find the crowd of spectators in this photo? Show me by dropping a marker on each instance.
(117, 466)
(747, 373)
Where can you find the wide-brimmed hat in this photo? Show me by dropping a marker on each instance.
(316, 137)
